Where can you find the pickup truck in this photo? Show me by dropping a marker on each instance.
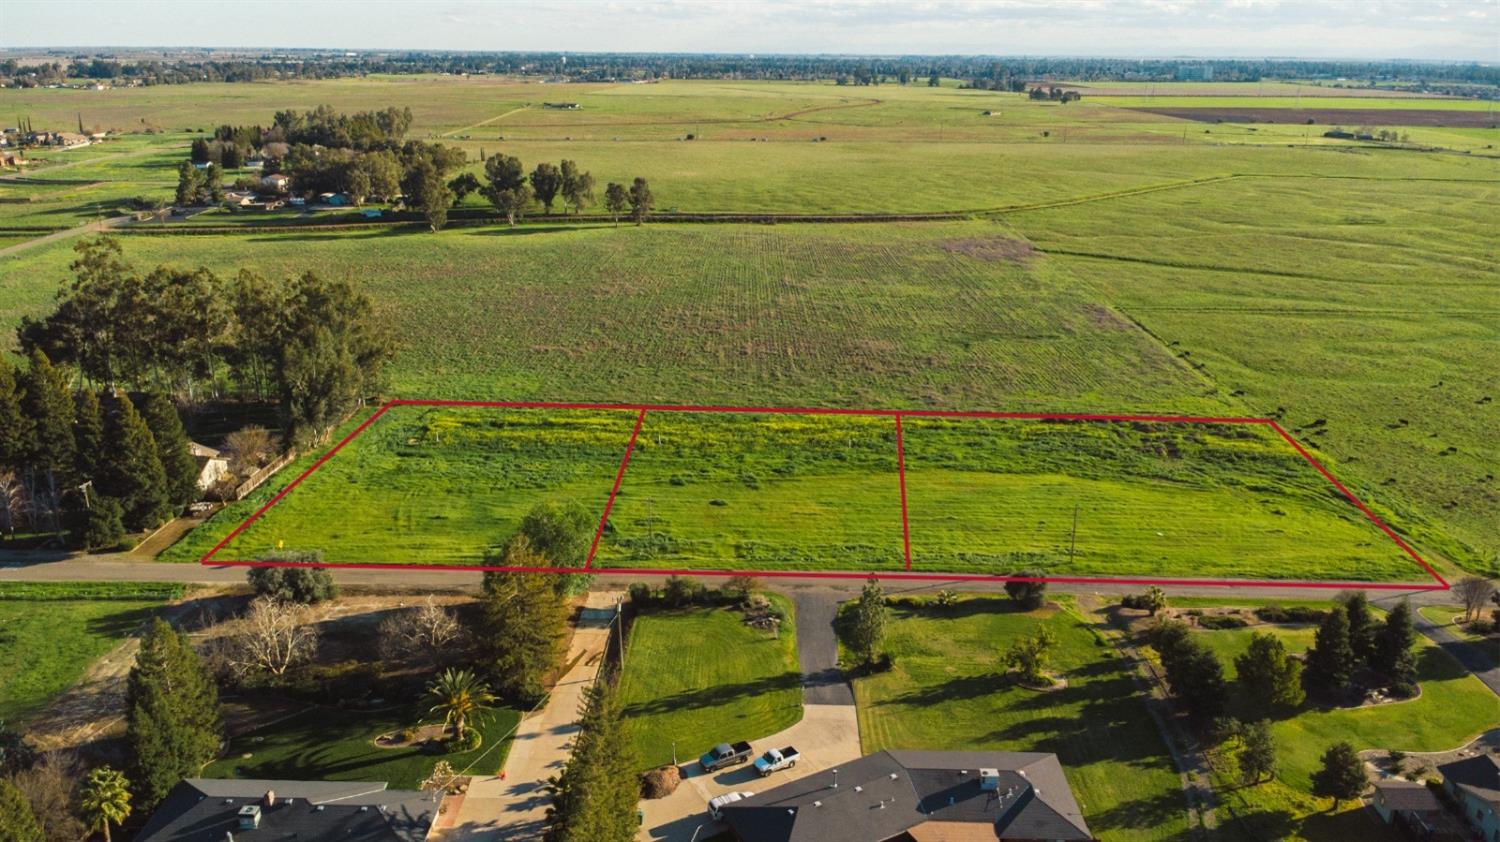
(777, 759)
(724, 754)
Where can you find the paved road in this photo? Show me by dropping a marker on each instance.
(1472, 655)
(818, 648)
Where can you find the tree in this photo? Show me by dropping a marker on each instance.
(1475, 591)
(739, 588)
(428, 629)
(1361, 624)
(101, 525)
(1029, 595)
(462, 698)
(1268, 676)
(132, 471)
(15, 753)
(1154, 601)
(615, 201)
(48, 404)
(172, 712)
(1393, 642)
(577, 187)
(1258, 757)
(247, 450)
(106, 799)
(15, 425)
(546, 182)
(562, 534)
(522, 630)
(933, 81)
(641, 200)
(1196, 678)
(1028, 655)
(305, 585)
(88, 434)
(189, 184)
(426, 189)
(51, 787)
(211, 191)
(462, 185)
(1341, 775)
(14, 503)
(595, 796)
(1331, 661)
(506, 186)
(274, 636)
(17, 822)
(866, 626)
(172, 448)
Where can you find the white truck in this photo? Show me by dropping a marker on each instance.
(716, 805)
(777, 759)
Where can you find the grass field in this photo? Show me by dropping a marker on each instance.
(1454, 708)
(337, 745)
(696, 677)
(50, 634)
(948, 691)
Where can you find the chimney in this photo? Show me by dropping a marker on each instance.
(270, 798)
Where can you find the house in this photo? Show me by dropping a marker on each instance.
(212, 466)
(199, 809)
(918, 796)
(240, 198)
(254, 164)
(1411, 805)
(276, 182)
(1474, 783)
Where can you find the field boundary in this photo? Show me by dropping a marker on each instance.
(210, 558)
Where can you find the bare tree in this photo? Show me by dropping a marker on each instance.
(428, 629)
(51, 787)
(274, 637)
(1475, 591)
(248, 449)
(12, 503)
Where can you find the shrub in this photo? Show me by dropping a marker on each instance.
(946, 598)
(681, 590)
(472, 739)
(1221, 622)
(334, 683)
(640, 594)
(1029, 595)
(1403, 690)
(718, 502)
(1296, 614)
(306, 585)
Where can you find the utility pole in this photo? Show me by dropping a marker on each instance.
(620, 640)
(1073, 542)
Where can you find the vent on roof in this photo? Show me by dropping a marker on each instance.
(365, 809)
(249, 817)
(893, 776)
(989, 780)
(859, 789)
(817, 803)
(320, 808)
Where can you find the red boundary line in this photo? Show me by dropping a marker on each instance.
(619, 477)
(897, 414)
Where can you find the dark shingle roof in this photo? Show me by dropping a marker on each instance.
(882, 795)
(1479, 775)
(1407, 795)
(204, 810)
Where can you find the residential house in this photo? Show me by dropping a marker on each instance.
(204, 810)
(212, 466)
(918, 796)
(1412, 806)
(1474, 783)
(276, 183)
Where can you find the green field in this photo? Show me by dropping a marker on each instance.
(948, 691)
(696, 677)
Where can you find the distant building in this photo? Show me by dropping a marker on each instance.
(1475, 784)
(1195, 72)
(276, 182)
(212, 466)
(205, 810)
(566, 106)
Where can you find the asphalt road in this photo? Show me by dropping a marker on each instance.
(818, 647)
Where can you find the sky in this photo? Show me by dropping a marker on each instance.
(1449, 30)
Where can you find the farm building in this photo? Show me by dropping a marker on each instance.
(918, 796)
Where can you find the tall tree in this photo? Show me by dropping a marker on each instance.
(173, 724)
(1268, 676)
(172, 448)
(505, 186)
(105, 799)
(331, 348)
(641, 200)
(1341, 775)
(616, 199)
(1331, 661)
(17, 822)
(88, 434)
(595, 795)
(53, 456)
(1258, 757)
(436, 196)
(866, 623)
(546, 182)
(577, 187)
(1196, 678)
(15, 425)
(1393, 642)
(523, 625)
(131, 471)
(1361, 624)
(189, 184)
(562, 534)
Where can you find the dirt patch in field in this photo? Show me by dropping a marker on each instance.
(1103, 318)
(1333, 116)
(1000, 249)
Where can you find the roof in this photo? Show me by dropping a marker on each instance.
(204, 810)
(882, 796)
(1479, 776)
(1407, 795)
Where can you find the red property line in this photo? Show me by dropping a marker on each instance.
(619, 477)
(897, 414)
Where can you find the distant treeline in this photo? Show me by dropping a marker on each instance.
(984, 72)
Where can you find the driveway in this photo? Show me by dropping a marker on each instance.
(1470, 653)
(827, 735)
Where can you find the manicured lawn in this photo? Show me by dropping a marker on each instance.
(47, 640)
(700, 676)
(1454, 707)
(327, 743)
(947, 691)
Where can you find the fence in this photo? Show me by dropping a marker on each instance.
(263, 474)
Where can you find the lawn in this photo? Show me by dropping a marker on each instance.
(332, 744)
(50, 634)
(947, 691)
(1454, 707)
(700, 676)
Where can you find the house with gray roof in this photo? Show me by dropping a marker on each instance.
(1474, 783)
(918, 796)
(208, 810)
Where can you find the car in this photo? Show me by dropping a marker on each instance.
(716, 805)
(724, 755)
(777, 759)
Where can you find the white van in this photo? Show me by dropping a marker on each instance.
(716, 805)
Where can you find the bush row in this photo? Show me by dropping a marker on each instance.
(44, 591)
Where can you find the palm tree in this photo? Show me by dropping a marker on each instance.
(105, 799)
(460, 696)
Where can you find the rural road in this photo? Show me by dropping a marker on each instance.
(66, 233)
(1470, 654)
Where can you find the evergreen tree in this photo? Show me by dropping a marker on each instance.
(1030, 595)
(172, 712)
(17, 822)
(1393, 642)
(15, 426)
(1341, 775)
(52, 454)
(866, 623)
(131, 471)
(189, 185)
(1196, 678)
(1258, 758)
(595, 796)
(101, 525)
(1330, 663)
(523, 625)
(88, 434)
(172, 448)
(1362, 626)
(1268, 676)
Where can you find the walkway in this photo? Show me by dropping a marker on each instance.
(513, 805)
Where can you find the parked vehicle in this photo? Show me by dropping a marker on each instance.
(716, 805)
(724, 755)
(777, 759)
